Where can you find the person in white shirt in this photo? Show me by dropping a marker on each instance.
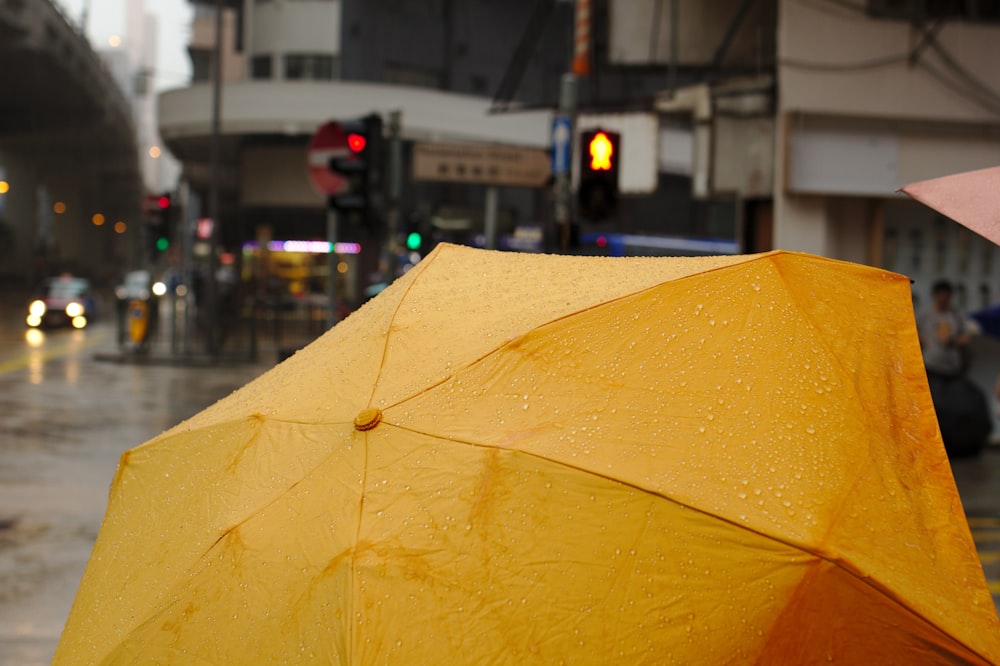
(944, 337)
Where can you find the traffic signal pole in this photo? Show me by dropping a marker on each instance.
(564, 178)
(395, 172)
(331, 266)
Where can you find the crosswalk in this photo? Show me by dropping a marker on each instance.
(986, 534)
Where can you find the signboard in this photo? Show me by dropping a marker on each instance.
(329, 141)
(483, 164)
(562, 144)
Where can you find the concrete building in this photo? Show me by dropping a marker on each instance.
(771, 123)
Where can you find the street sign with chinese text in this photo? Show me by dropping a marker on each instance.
(481, 163)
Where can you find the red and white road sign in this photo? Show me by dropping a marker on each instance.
(329, 141)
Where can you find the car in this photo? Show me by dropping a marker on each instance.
(65, 300)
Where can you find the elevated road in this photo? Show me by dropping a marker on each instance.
(66, 135)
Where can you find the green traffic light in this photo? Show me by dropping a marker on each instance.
(413, 241)
(162, 243)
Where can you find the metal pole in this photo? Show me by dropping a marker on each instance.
(331, 268)
(211, 297)
(395, 192)
(563, 181)
(490, 224)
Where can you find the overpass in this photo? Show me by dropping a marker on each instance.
(68, 151)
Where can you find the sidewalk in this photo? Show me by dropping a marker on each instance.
(265, 341)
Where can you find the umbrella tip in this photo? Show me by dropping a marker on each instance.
(367, 419)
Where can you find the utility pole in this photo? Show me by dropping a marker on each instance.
(564, 127)
(395, 192)
(211, 291)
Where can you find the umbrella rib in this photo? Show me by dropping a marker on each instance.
(424, 267)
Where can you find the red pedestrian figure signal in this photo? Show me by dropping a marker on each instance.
(601, 150)
(356, 142)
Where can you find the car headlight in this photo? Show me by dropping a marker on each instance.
(37, 308)
(74, 310)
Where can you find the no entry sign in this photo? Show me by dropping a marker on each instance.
(329, 141)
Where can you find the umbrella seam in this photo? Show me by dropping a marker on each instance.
(425, 264)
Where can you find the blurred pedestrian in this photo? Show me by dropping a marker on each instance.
(961, 406)
(944, 336)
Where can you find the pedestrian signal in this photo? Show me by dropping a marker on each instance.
(600, 156)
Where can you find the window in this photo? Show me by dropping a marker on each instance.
(201, 65)
(311, 66)
(260, 67)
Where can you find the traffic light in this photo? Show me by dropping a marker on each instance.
(161, 224)
(600, 156)
(360, 163)
(414, 240)
(158, 212)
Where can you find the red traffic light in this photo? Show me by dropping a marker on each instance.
(163, 202)
(601, 151)
(356, 142)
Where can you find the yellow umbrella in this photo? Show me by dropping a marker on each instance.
(511, 458)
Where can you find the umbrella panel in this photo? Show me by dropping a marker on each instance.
(664, 405)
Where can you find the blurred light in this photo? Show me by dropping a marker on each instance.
(313, 247)
(163, 202)
(159, 288)
(342, 267)
(4, 187)
(356, 142)
(120, 227)
(602, 241)
(74, 310)
(79, 322)
(203, 228)
(114, 41)
(413, 241)
(162, 243)
(154, 151)
(37, 308)
(34, 337)
(34, 321)
(98, 219)
(227, 258)
(59, 208)
(181, 290)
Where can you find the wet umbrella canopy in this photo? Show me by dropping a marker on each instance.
(510, 458)
(971, 198)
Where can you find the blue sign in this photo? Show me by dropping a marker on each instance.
(562, 144)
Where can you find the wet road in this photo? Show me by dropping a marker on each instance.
(65, 418)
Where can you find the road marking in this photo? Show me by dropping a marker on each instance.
(46, 353)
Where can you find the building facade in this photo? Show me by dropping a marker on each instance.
(775, 123)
